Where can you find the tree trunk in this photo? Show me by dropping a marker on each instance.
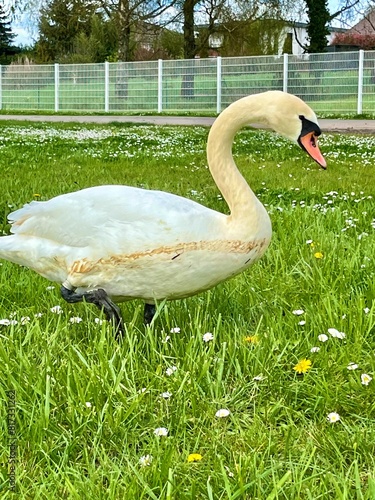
(124, 31)
(187, 84)
(123, 52)
(189, 37)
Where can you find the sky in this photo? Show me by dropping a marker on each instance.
(21, 27)
(23, 36)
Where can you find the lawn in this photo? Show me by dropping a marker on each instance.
(85, 417)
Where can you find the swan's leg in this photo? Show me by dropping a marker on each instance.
(100, 298)
(149, 313)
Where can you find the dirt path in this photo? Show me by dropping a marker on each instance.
(330, 125)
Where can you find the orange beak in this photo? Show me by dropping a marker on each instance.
(309, 143)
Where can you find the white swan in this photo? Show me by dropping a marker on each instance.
(122, 243)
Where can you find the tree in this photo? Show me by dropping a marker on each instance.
(248, 28)
(251, 37)
(358, 40)
(127, 14)
(194, 14)
(97, 45)
(237, 21)
(60, 23)
(188, 7)
(317, 29)
(172, 44)
(208, 11)
(319, 17)
(6, 37)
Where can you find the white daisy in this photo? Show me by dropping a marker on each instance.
(75, 319)
(170, 371)
(145, 460)
(365, 379)
(323, 337)
(333, 417)
(298, 312)
(207, 337)
(56, 310)
(161, 431)
(222, 413)
(352, 366)
(336, 334)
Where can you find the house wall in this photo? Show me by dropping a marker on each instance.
(299, 33)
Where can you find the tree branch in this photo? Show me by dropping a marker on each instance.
(304, 47)
(343, 9)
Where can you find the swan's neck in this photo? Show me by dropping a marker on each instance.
(243, 204)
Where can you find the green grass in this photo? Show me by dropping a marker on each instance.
(277, 442)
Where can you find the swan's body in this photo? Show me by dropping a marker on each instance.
(132, 247)
(152, 245)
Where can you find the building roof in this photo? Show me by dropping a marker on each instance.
(365, 26)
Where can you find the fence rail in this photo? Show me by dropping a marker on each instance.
(339, 83)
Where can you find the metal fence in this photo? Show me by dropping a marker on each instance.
(333, 83)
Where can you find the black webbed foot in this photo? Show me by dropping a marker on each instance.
(149, 313)
(99, 298)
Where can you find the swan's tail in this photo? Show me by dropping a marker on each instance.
(42, 256)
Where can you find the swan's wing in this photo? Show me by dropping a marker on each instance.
(114, 216)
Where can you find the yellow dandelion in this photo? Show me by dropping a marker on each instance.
(318, 255)
(194, 457)
(36, 195)
(252, 339)
(302, 366)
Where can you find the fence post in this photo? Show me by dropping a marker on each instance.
(218, 84)
(360, 82)
(285, 73)
(160, 85)
(106, 86)
(57, 83)
(1, 87)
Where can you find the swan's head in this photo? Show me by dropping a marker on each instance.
(295, 120)
(308, 140)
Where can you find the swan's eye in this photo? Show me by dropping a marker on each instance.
(308, 127)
